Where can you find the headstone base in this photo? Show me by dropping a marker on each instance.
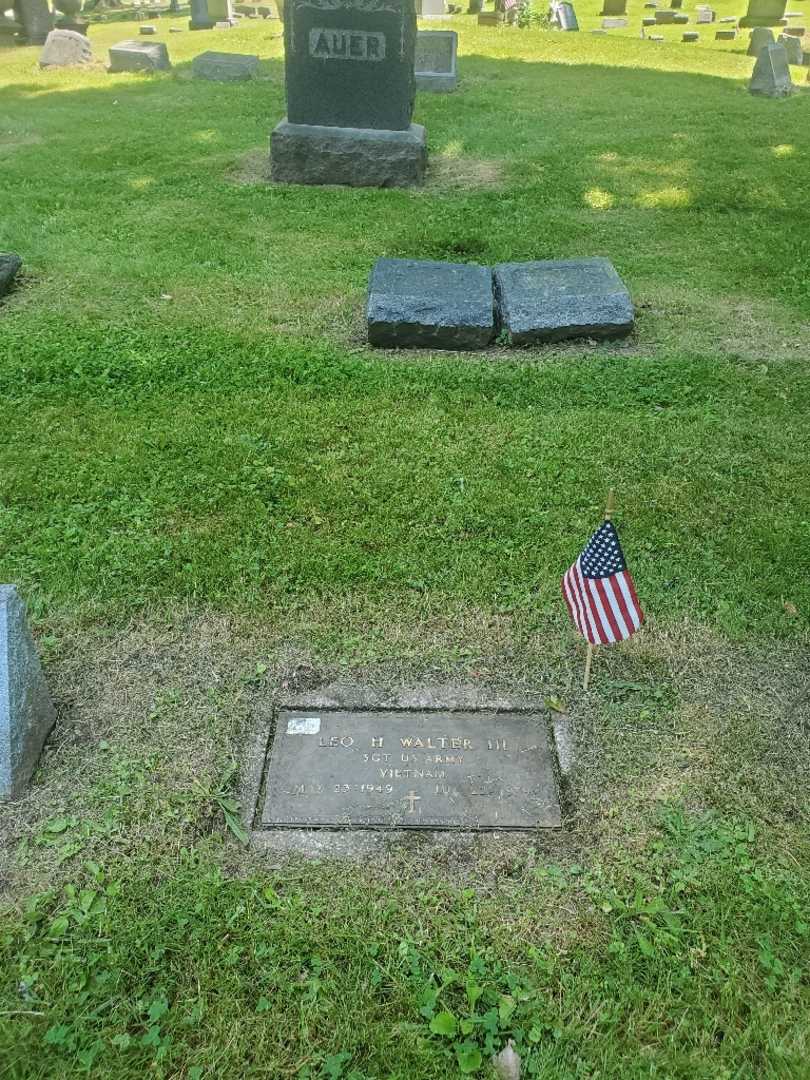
(436, 83)
(357, 157)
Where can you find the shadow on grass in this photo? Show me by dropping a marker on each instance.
(680, 177)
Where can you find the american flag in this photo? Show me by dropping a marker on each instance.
(599, 591)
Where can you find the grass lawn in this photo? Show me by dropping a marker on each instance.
(212, 491)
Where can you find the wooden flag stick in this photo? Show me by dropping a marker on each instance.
(609, 508)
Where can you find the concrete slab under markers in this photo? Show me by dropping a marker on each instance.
(404, 770)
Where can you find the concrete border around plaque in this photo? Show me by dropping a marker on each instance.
(492, 789)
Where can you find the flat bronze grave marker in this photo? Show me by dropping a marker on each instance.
(401, 769)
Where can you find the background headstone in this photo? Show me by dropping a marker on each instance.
(771, 77)
(139, 56)
(760, 37)
(26, 709)
(690, 35)
(566, 16)
(704, 15)
(429, 305)
(614, 24)
(556, 299)
(224, 67)
(146, 30)
(764, 13)
(793, 48)
(431, 9)
(725, 35)
(64, 48)
(35, 18)
(9, 268)
(435, 60)
(614, 7)
(350, 94)
(200, 19)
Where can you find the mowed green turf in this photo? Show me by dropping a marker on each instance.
(239, 440)
(194, 430)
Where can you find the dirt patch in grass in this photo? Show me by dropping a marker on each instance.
(444, 173)
(252, 167)
(463, 173)
(152, 717)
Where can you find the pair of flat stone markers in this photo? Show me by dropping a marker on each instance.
(457, 306)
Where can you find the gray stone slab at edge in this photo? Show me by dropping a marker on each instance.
(224, 67)
(421, 304)
(556, 299)
(26, 710)
(9, 268)
(139, 56)
(357, 157)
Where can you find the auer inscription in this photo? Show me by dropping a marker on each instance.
(346, 44)
(472, 770)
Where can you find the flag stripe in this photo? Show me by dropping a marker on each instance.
(600, 584)
(569, 600)
(625, 607)
(594, 636)
(605, 631)
(631, 600)
(573, 589)
(616, 608)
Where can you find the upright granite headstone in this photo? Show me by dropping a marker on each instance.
(771, 77)
(26, 710)
(9, 268)
(139, 56)
(793, 48)
(614, 7)
(556, 299)
(35, 18)
(761, 36)
(705, 15)
(764, 13)
(435, 60)
(64, 48)
(350, 94)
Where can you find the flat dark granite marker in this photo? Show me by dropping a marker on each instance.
(139, 56)
(557, 299)
(224, 67)
(423, 770)
(414, 303)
